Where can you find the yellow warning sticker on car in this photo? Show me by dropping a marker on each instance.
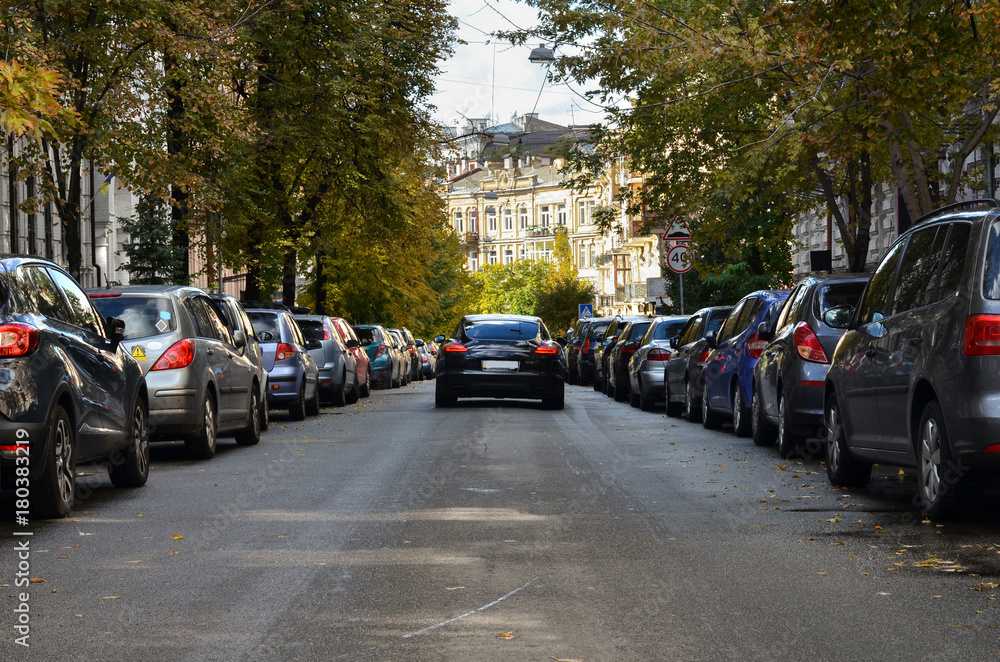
(138, 353)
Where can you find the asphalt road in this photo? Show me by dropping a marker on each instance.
(498, 530)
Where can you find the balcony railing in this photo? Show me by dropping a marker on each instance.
(470, 238)
(635, 290)
(538, 231)
(619, 295)
(605, 301)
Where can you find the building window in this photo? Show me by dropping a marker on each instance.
(583, 256)
(522, 252)
(474, 262)
(585, 212)
(522, 217)
(508, 256)
(493, 257)
(561, 215)
(590, 256)
(508, 219)
(546, 216)
(491, 220)
(458, 222)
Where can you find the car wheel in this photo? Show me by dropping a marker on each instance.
(619, 391)
(297, 410)
(692, 407)
(741, 416)
(558, 401)
(265, 413)
(56, 486)
(788, 442)
(202, 445)
(597, 383)
(312, 406)
(250, 434)
(134, 470)
(646, 403)
(366, 390)
(635, 396)
(339, 394)
(354, 394)
(841, 467)
(710, 420)
(672, 408)
(940, 478)
(442, 400)
(762, 431)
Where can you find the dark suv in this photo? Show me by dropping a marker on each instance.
(69, 391)
(685, 367)
(913, 382)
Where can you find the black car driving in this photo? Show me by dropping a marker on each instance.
(500, 356)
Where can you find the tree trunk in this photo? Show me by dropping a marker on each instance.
(175, 148)
(320, 285)
(12, 193)
(288, 278)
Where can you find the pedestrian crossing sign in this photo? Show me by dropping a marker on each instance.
(586, 310)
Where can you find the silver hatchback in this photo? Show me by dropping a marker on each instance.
(200, 383)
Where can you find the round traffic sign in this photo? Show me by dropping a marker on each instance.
(680, 260)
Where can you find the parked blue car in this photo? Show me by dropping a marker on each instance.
(292, 374)
(728, 376)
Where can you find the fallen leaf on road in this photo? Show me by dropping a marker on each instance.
(82, 533)
(984, 585)
(175, 552)
(567, 659)
(507, 635)
(111, 597)
(454, 588)
(37, 580)
(177, 536)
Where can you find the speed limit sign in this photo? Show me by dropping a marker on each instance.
(679, 259)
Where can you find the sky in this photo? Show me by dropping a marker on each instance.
(496, 79)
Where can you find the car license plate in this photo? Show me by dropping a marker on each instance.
(500, 366)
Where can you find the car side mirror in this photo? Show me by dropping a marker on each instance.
(439, 339)
(312, 343)
(420, 343)
(352, 343)
(239, 339)
(599, 337)
(562, 340)
(116, 331)
(264, 336)
(675, 342)
(764, 331)
(710, 339)
(839, 317)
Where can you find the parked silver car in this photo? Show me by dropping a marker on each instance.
(338, 368)
(200, 382)
(235, 317)
(645, 368)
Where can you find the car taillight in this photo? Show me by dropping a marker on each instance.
(807, 344)
(547, 349)
(586, 348)
(704, 356)
(17, 340)
(755, 346)
(284, 351)
(178, 355)
(658, 355)
(455, 347)
(105, 295)
(982, 335)
(382, 349)
(412, 352)
(326, 329)
(426, 359)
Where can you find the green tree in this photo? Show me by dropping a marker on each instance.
(152, 258)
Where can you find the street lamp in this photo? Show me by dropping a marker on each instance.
(541, 54)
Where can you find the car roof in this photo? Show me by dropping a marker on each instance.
(163, 290)
(500, 316)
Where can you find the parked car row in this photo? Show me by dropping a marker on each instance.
(95, 376)
(396, 357)
(900, 367)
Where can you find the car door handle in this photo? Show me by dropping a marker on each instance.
(210, 352)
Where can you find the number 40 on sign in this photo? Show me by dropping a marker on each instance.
(679, 259)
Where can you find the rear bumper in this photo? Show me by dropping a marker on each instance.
(284, 385)
(484, 385)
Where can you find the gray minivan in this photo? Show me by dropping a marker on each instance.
(915, 381)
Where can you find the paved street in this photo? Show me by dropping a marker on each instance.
(501, 531)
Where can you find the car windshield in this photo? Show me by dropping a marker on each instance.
(267, 322)
(667, 330)
(991, 275)
(311, 329)
(715, 323)
(367, 336)
(501, 330)
(836, 295)
(144, 316)
(598, 327)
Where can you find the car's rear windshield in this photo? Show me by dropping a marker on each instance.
(991, 275)
(715, 322)
(368, 336)
(144, 315)
(501, 330)
(265, 322)
(668, 330)
(638, 330)
(836, 295)
(311, 329)
(597, 327)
